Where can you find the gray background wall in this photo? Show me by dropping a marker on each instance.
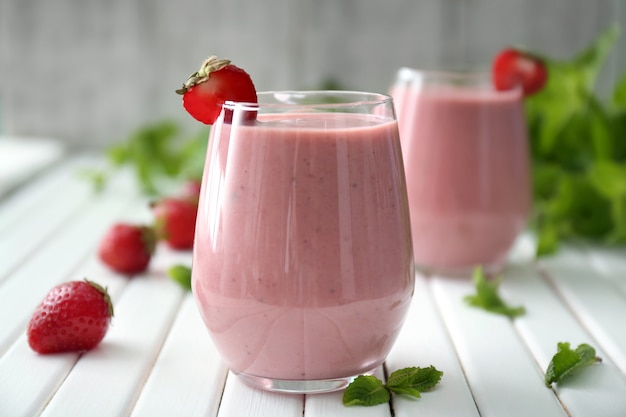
(89, 71)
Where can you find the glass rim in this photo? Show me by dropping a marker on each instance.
(409, 74)
(353, 98)
(478, 79)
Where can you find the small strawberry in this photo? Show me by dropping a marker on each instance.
(175, 221)
(216, 82)
(512, 67)
(74, 316)
(127, 248)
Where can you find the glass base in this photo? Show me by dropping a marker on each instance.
(290, 386)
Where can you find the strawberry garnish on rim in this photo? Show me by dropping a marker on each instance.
(515, 68)
(216, 82)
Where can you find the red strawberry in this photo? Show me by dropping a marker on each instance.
(175, 221)
(513, 67)
(74, 316)
(127, 248)
(216, 82)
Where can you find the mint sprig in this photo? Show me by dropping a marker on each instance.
(180, 274)
(566, 360)
(156, 153)
(412, 381)
(367, 390)
(488, 298)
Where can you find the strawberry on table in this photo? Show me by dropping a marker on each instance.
(216, 82)
(175, 221)
(74, 316)
(513, 67)
(127, 248)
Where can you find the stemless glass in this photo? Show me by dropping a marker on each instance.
(466, 158)
(303, 263)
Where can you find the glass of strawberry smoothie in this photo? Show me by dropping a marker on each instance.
(466, 160)
(303, 261)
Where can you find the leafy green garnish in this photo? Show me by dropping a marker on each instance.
(567, 360)
(367, 390)
(578, 152)
(157, 153)
(412, 381)
(488, 298)
(180, 274)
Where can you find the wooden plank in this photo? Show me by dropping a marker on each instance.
(39, 223)
(424, 341)
(600, 389)
(54, 262)
(28, 380)
(40, 191)
(45, 373)
(21, 158)
(610, 263)
(107, 380)
(51, 204)
(82, 235)
(240, 399)
(188, 377)
(501, 373)
(598, 303)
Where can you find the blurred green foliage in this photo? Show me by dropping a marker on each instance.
(157, 153)
(578, 146)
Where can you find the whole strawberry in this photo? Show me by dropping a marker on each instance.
(175, 221)
(127, 248)
(515, 68)
(216, 82)
(74, 316)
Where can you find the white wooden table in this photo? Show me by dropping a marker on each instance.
(21, 158)
(157, 359)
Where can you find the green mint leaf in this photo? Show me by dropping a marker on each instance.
(158, 155)
(619, 94)
(609, 178)
(589, 212)
(366, 390)
(118, 154)
(97, 178)
(590, 61)
(412, 381)
(487, 296)
(547, 239)
(618, 234)
(567, 360)
(181, 274)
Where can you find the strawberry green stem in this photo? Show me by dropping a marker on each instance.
(211, 64)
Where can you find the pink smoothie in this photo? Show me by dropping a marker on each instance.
(302, 260)
(467, 172)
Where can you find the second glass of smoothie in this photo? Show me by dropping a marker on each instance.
(303, 262)
(466, 158)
